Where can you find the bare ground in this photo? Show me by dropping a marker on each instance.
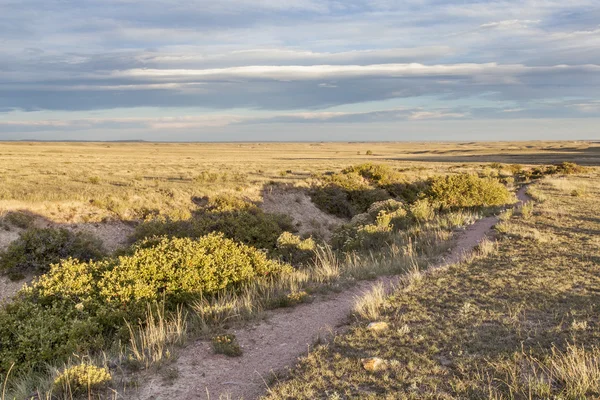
(307, 217)
(275, 343)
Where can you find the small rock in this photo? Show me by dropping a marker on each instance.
(378, 326)
(374, 364)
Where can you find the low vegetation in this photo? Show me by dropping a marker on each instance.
(38, 248)
(517, 321)
(226, 344)
(240, 220)
(81, 379)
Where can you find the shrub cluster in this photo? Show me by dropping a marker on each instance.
(237, 219)
(375, 228)
(79, 306)
(354, 189)
(37, 248)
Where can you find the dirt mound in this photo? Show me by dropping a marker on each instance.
(308, 218)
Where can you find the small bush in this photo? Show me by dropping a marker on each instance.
(373, 229)
(19, 219)
(466, 190)
(375, 173)
(422, 210)
(294, 250)
(81, 379)
(577, 192)
(515, 168)
(527, 210)
(38, 248)
(226, 344)
(569, 168)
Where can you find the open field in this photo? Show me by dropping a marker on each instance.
(135, 249)
(81, 182)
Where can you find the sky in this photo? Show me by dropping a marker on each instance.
(299, 70)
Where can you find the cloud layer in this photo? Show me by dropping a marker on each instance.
(174, 70)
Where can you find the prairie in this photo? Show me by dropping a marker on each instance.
(132, 251)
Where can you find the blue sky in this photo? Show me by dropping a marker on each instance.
(299, 70)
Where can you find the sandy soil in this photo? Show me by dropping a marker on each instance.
(275, 343)
(307, 217)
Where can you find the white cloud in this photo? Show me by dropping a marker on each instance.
(510, 24)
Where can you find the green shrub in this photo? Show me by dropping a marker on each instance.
(33, 335)
(344, 202)
(237, 219)
(80, 306)
(355, 188)
(81, 379)
(466, 190)
(19, 219)
(422, 210)
(373, 229)
(37, 248)
(178, 269)
(295, 250)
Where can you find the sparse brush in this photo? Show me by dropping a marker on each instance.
(536, 194)
(326, 267)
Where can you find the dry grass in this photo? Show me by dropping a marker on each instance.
(368, 306)
(151, 342)
(570, 374)
(80, 182)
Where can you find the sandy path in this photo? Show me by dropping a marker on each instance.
(275, 343)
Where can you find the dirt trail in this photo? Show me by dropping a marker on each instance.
(275, 343)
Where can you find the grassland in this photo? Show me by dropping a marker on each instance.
(91, 182)
(396, 208)
(518, 321)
